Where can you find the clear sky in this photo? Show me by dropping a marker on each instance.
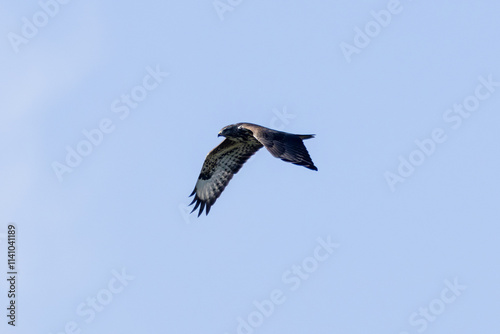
(109, 110)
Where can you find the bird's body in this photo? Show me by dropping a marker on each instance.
(242, 141)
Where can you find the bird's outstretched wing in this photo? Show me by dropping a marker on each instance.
(285, 146)
(220, 165)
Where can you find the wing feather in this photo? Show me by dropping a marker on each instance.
(220, 165)
(285, 146)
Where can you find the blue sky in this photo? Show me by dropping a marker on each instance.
(110, 110)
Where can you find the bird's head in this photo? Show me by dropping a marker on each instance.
(224, 131)
(232, 131)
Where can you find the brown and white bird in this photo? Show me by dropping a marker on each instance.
(242, 141)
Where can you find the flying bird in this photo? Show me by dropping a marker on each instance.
(242, 141)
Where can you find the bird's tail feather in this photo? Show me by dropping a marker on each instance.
(306, 136)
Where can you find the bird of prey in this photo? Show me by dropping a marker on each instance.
(242, 141)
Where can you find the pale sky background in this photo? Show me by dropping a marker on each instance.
(420, 255)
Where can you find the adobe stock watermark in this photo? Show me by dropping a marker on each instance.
(223, 6)
(31, 26)
(420, 319)
(185, 212)
(293, 278)
(121, 108)
(454, 118)
(363, 36)
(280, 119)
(97, 303)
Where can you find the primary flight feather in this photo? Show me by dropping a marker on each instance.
(242, 141)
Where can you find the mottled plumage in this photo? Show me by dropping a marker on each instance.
(242, 141)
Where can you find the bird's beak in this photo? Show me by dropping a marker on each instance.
(219, 135)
